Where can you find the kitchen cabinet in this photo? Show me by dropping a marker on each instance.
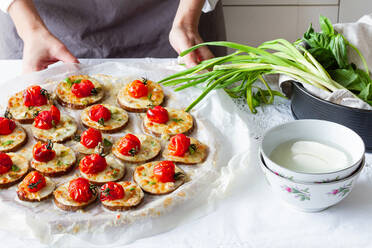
(254, 24)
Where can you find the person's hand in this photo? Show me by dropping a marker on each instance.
(42, 49)
(182, 38)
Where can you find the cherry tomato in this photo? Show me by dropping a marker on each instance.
(79, 190)
(129, 145)
(179, 145)
(82, 89)
(5, 163)
(137, 89)
(98, 112)
(164, 171)
(35, 96)
(158, 114)
(34, 181)
(43, 152)
(6, 126)
(56, 114)
(111, 191)
(90, 138)
(48, 118)
(92, 164)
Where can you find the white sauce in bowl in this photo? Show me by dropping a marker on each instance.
(308, 156)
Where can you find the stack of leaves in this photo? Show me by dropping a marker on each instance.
(330, 49)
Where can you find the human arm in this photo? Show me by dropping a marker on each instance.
(41, 48)
(184, 33)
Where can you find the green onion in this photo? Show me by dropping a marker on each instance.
(241, 74)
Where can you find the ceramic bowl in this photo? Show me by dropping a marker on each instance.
(320, 131)
(310, 197)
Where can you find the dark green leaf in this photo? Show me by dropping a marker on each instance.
(338, 48)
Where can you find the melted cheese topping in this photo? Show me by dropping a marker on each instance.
(197, 157)
(144, 177)
(63, 92)
(20, 112)
(39, 195)
(64, 159)
(150, 148)
(8, 142)
(155, 97)
(119, 118)
(65, 129)
(114, 171)
(132, 197)
(11, 176)
(179, 122)
(62, 196)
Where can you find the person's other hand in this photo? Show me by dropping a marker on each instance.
(42, 49)
(182, 38)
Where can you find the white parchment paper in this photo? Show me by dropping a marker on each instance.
(218, 124)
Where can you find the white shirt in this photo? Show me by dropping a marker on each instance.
(209, 5)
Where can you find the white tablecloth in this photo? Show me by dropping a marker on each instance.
(251, 216)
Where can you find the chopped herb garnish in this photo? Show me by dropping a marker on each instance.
(143, 174)
(8, 142)
(131, 189)
(106, 191)
(149, 96)
(94, 91)
(30, 107)
(152, 183)
(34, 185)
(101, 121)
(133, 152)
(153, 143)
(192, 149)
(106, 142)
(177, 120)
(36, 113)
(7, 114)
(150, 105)
(178, 175)
(15, 168)
(59, 163)
(69, 82)
(77, 138)
(114, 173)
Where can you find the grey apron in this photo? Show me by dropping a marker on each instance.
(111, 28)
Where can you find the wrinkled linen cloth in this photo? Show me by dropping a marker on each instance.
(359, 34)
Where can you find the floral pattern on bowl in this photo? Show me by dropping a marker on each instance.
(301, 194)
(341, 191)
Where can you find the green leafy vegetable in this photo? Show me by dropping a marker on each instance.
(323, 64)
(15, 168)
(330, 49)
